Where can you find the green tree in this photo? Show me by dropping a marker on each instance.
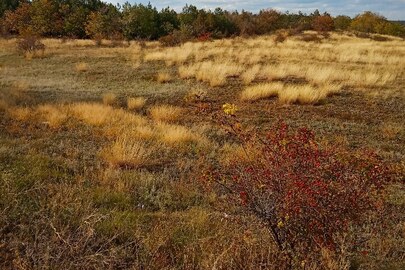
(342, 22)
(168, 21)
(367, 22)
(223, 25)
(188, 15)
(46, 18)
(140, 21)
(8, 5)
(104, 23)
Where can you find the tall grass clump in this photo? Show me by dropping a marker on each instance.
(164, 77)
(109, 99)
(127, 152)
(53, 116)
(135, 104)
(165, 113)
(302, 94)
(261, 91)
(81, 67)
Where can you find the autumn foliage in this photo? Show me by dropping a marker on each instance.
(304, 193)
(323, 23)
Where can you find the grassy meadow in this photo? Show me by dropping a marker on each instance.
(100, 147)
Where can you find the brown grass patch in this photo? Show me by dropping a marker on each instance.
(165, 113)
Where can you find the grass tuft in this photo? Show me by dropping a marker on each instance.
(127, 152)
(109, 99)
(135, 104)
(82, 67)
(261, 91)
(164, 77)
(165, 113)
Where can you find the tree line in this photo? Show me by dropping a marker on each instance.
(99, 20)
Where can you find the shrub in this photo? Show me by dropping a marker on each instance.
(323, 23)
(170, 40)
(204, 37)
(30, 46)
(280, 37)
(310, 38)
(379, 38)
(305, 195)
(342, 22)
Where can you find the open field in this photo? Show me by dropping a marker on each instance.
(100, 147)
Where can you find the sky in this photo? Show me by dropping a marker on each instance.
(391, 9)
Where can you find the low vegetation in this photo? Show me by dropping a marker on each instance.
(258, 153)
(136, 103)
(166, 113)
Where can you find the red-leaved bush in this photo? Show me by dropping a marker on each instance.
(305, 194)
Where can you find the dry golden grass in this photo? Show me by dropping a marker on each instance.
(175, 135)
(98, 115)
(302, 94)
(20, 113)
(250, 74)
(136, 103)
(288, 94)
(164, 77)
(143, 132)
(52, 115)
(35, 54)
(261, 91)
(92, 113)
(81, 67)
(187, 72)
(356, 62)
(230, 153)
(109, 99)
(165, 113)
(216, 73)
(127, 152)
